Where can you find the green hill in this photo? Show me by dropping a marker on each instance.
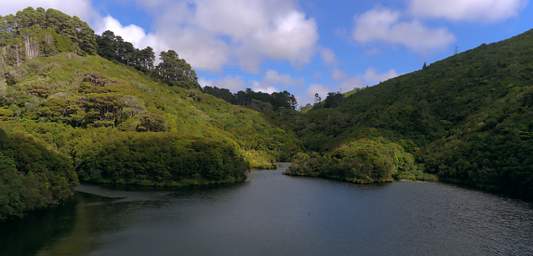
(467, 119)
(112, 121)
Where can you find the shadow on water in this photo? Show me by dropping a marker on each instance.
(73, 227)
(38, 229)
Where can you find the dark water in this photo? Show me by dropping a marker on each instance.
(274, 214)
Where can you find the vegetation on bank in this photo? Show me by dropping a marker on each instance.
(165, 160)
(32, 175)
(363, 161)
(120, 120)
(467, 119)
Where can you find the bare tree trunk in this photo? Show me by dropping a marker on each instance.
(31, 49)
(17, 54)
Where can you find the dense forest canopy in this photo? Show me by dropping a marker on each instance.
(260, 101)
(31, 175)
(467, 119)
(39, 32)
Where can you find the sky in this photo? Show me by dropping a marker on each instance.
(304, 47)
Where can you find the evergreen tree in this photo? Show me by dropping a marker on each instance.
(175, 71)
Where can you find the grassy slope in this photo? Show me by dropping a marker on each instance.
(187, 112)
(469, 117)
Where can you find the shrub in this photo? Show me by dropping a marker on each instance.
(362, 161)
(31, 175)
(161, 159)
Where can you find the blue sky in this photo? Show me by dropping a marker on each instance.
(302, 46)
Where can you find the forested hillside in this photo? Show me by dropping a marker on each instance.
(467, 119)
(96, 108)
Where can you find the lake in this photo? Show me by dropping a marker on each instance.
(274, 214)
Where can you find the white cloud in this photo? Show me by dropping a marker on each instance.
(370, 77)
(337, 74)
(272, 80)
(233, 83)
(387, 26)
(258, 87)
(269, 83)
(472, 10)
(322, 91)
(80, 8)
(130, 33)
(209, 34)
(275, 78)
(328, 56)
(350, 83)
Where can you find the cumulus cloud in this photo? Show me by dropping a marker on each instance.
(258, 87)
(372, 77)
(209, 33)
(322, 91)
(80, 8)
(350, 83)
(233, 83)
(384, 25)
(328, 56)
(471, 10)
(273, 77)
(337, 74)
(130, 33)
(368, 78)
(269, 83)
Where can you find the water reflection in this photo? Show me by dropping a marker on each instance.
(273, 214)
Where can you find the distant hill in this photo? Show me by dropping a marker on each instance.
(120, 120)
(467, 119)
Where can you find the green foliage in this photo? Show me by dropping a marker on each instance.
(115, 48)
(362, 161)
(172, 70)
(333, 100)
(32, 176)
(466, 118)
(90, 92)
(160, 159)
(260, 101)
(39, 32)
(175, 71)
(150, 122)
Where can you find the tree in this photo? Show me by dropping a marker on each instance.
(146, 59)
(333, 100)
(221, 93)
(115, 48)
(85, 36)
(107, 45)
(318, 99)
(175, 71)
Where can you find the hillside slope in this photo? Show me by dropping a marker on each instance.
(112, 123)
(92, 93)
(468, 118)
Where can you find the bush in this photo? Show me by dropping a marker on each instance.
(362, 161)
(161, 160)
(31, 175)
(150, 122)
